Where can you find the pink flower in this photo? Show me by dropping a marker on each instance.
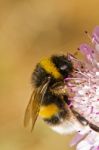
(84, 84)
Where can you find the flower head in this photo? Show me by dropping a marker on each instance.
(84, 84)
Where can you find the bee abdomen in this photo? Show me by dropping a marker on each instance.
(54, 120)
(50, 98)
(58, 118)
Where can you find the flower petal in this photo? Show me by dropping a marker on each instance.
(84, 145)
(78, 137)
(95, 35)
(86, 49)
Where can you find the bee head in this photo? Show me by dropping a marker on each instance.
(63, 64)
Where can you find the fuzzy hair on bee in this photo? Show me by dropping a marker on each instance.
(49, 99)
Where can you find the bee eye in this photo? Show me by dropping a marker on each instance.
(64, 67)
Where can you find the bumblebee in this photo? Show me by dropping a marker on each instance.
(49, 99)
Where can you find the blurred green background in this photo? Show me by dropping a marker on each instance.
(30, 30)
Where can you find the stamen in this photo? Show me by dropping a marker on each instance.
(88, 35)
(85, 75)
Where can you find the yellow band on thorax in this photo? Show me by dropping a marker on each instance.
(50, 68)
(48, 111)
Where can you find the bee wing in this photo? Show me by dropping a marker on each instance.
(33, 107)
(28, 111)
